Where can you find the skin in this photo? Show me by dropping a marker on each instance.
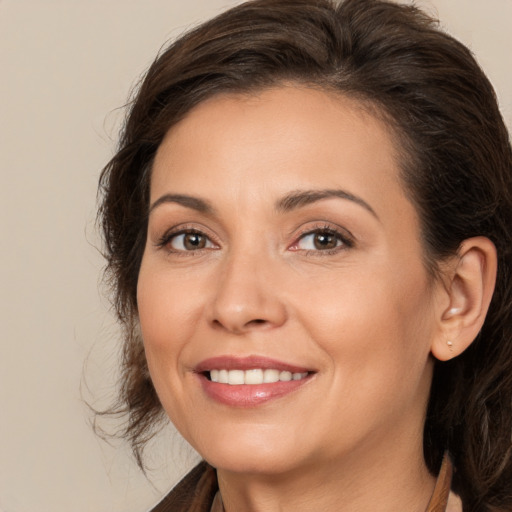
(364, 316)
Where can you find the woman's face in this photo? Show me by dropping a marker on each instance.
(281, 246)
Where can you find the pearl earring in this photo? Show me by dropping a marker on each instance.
(450, 344)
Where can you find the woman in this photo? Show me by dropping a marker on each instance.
(308, 231)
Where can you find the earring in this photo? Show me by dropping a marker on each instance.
(450, 344)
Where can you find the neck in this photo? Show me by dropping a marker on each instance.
(367, 480)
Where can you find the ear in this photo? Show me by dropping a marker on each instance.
(468, 286)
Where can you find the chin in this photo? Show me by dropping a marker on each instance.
(250, 452)
(253, 464)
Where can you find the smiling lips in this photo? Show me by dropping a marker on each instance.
(248, 382)
(254, 376)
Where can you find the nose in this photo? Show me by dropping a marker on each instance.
(247, 296)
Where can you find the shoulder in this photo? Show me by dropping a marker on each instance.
(194, 493)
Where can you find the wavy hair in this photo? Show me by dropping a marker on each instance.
(456, 166)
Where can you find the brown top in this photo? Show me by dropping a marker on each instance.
(198, 492)
(195, 493)
(443, 500)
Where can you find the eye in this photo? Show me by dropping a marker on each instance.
(187, 241)
(319, 241)
(324, 239)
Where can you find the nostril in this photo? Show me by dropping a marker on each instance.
(257, 321)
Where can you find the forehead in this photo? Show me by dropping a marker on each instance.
(284, 128)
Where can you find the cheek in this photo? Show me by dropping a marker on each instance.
(167, 309)
(167, 320)
(165, 326)
(383, 316)
(377, 342)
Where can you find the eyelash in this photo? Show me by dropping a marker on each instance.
(346, 241)
(167, 238)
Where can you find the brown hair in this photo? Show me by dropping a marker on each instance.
(456, 163)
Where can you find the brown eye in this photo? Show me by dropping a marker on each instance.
(191, 241)
(324, 241)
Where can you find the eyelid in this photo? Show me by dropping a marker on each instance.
(343, 234)
(165, 239)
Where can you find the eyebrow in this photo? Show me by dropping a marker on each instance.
(194, 203)
(291, 201)
(301, 198)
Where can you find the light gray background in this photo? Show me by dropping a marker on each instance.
(66, 66)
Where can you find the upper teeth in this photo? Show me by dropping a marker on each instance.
(255, 376)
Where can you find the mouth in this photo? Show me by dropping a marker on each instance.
(253, 377)
(249, 381)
